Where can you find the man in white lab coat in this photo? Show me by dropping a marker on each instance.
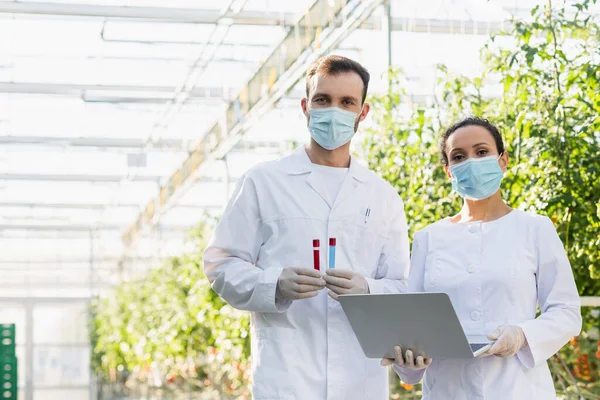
(261, 257)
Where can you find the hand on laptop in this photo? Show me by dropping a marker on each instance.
(509, 340)
(407, 360)
(341, 281)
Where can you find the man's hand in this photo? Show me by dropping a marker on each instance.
(341, 281)
(297, 283)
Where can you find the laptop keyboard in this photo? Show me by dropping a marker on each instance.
(477, 346)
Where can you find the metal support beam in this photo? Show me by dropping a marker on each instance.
(81, 89)
(387, 24)
(91, 269)
(303, 44)
(61, 206)
(446, 26)
(53, 285)
(189, 15)
(75, 178)
(62, 262)
(78, 228)
(82, 206)
(43, 300)
(29, 367)
(386, 28)
(59, 228)
(104, 143)
(257, 46)
(208, 16)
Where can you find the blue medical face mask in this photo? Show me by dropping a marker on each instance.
(477, 178)
(331, 127)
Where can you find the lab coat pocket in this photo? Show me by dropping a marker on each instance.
(369, 238)
(431, 273)
(270, 375)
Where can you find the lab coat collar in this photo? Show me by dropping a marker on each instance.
(300, 164)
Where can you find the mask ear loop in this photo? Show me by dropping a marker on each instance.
(498, 159)
(359, 113)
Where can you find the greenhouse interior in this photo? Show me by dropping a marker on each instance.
(125, 125)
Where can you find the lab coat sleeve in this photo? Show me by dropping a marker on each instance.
(230, 257)
(559, 301)
(392, 270)
(415, 285)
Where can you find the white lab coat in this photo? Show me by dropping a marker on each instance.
(306, 349)
(496, 273)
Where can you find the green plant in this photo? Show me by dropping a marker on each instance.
(172, 330)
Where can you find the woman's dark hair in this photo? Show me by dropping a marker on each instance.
(470, 121)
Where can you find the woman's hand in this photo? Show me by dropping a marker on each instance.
(407, 361)
(509, 340)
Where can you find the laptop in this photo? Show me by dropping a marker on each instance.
(425, 323)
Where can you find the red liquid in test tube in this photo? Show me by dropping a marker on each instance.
(316, 257)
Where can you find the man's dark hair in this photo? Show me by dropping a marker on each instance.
(333, 65)
(471, 121)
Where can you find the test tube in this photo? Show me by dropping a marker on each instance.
(332, 242)
(316, 258)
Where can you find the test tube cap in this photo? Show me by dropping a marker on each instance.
(316, 243)
(332, 241)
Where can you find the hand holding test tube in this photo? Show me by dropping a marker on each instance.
(341, 281)
(296, 283)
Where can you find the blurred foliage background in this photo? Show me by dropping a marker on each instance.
(169, 335)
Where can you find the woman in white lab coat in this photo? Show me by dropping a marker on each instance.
(496, 264)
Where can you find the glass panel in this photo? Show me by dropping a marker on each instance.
(56, 192)
(64, 323)
(270, 35)
(152, 32)
(296, 7)
(88, 163)
(61, 366)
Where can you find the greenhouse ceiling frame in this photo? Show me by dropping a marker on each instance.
(211, 16)
(303, 44)
(143, 94)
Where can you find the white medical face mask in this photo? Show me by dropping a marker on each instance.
(332, 127)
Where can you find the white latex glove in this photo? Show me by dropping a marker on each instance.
(297, 283)
(408, 361)
(509, 340)
(341, 281)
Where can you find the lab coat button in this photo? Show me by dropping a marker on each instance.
(471, 268)
(475, 315)
(473, 228)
